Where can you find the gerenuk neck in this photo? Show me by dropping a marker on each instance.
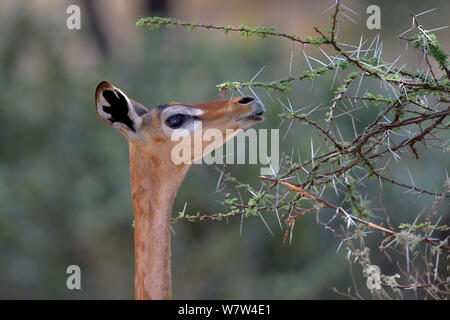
(154, 185)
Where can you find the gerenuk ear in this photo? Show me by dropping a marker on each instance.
(116, 109)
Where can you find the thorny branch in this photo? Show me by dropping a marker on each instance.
(410, 118)
(350, 217)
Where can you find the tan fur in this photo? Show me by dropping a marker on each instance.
(155, 180)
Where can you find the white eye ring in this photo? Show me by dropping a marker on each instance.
(189, 115)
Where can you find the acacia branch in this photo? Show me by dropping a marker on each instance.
(340, 210)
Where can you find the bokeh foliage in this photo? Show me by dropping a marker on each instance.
(64, 181)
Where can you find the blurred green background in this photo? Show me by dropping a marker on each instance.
(64, 177)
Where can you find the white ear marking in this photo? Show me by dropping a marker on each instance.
(116, 109)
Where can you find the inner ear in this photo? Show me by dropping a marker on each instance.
(118, 108)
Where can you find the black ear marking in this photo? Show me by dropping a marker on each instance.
(118, 108)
